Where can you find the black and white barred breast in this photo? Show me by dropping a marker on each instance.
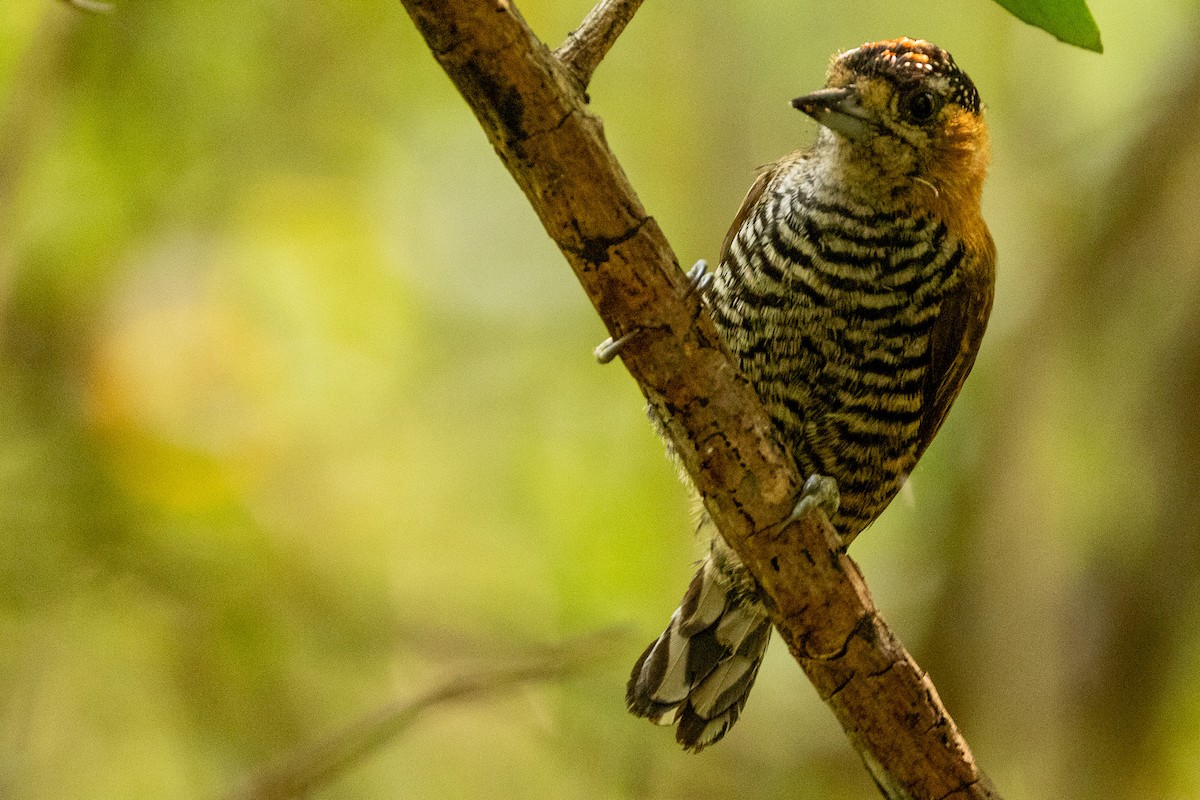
(828, 306)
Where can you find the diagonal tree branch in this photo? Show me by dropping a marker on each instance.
(533, 109)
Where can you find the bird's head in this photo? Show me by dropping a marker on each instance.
(901, 116)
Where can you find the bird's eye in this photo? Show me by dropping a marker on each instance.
(921, 107)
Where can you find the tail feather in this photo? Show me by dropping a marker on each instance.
(698, 673)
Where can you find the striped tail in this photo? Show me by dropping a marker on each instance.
(698, 674)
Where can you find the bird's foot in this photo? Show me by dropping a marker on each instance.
(609, 349)
(820, 491)
(699, 280)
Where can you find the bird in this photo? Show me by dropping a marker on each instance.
(852, 290)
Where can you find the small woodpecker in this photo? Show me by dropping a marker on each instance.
(853, 289)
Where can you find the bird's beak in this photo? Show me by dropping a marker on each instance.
(839, 110)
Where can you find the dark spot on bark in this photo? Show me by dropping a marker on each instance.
(865, 630)
(775, 563)
(511, 107)
(506, 101)
(835, 560)
(595, 250)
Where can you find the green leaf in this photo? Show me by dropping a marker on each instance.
(1069, 21)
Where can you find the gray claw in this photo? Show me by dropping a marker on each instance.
(607, 350)
(699, 278)
(699, 281)
(820, 491)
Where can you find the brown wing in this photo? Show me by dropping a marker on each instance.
(765, 175)
(955, 337)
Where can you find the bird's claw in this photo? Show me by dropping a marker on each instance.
(609, 349)
(699, 282)
(699, 279)
(820, 491)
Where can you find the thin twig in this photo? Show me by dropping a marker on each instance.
(586, 47)
(309, 768)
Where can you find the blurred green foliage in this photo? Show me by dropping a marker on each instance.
(298, 413)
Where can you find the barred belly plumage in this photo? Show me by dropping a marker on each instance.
(854, 287)
(828, 307)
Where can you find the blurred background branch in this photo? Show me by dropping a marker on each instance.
(94, 6)
(319, 764)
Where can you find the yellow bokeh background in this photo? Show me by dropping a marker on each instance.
(299, 416)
